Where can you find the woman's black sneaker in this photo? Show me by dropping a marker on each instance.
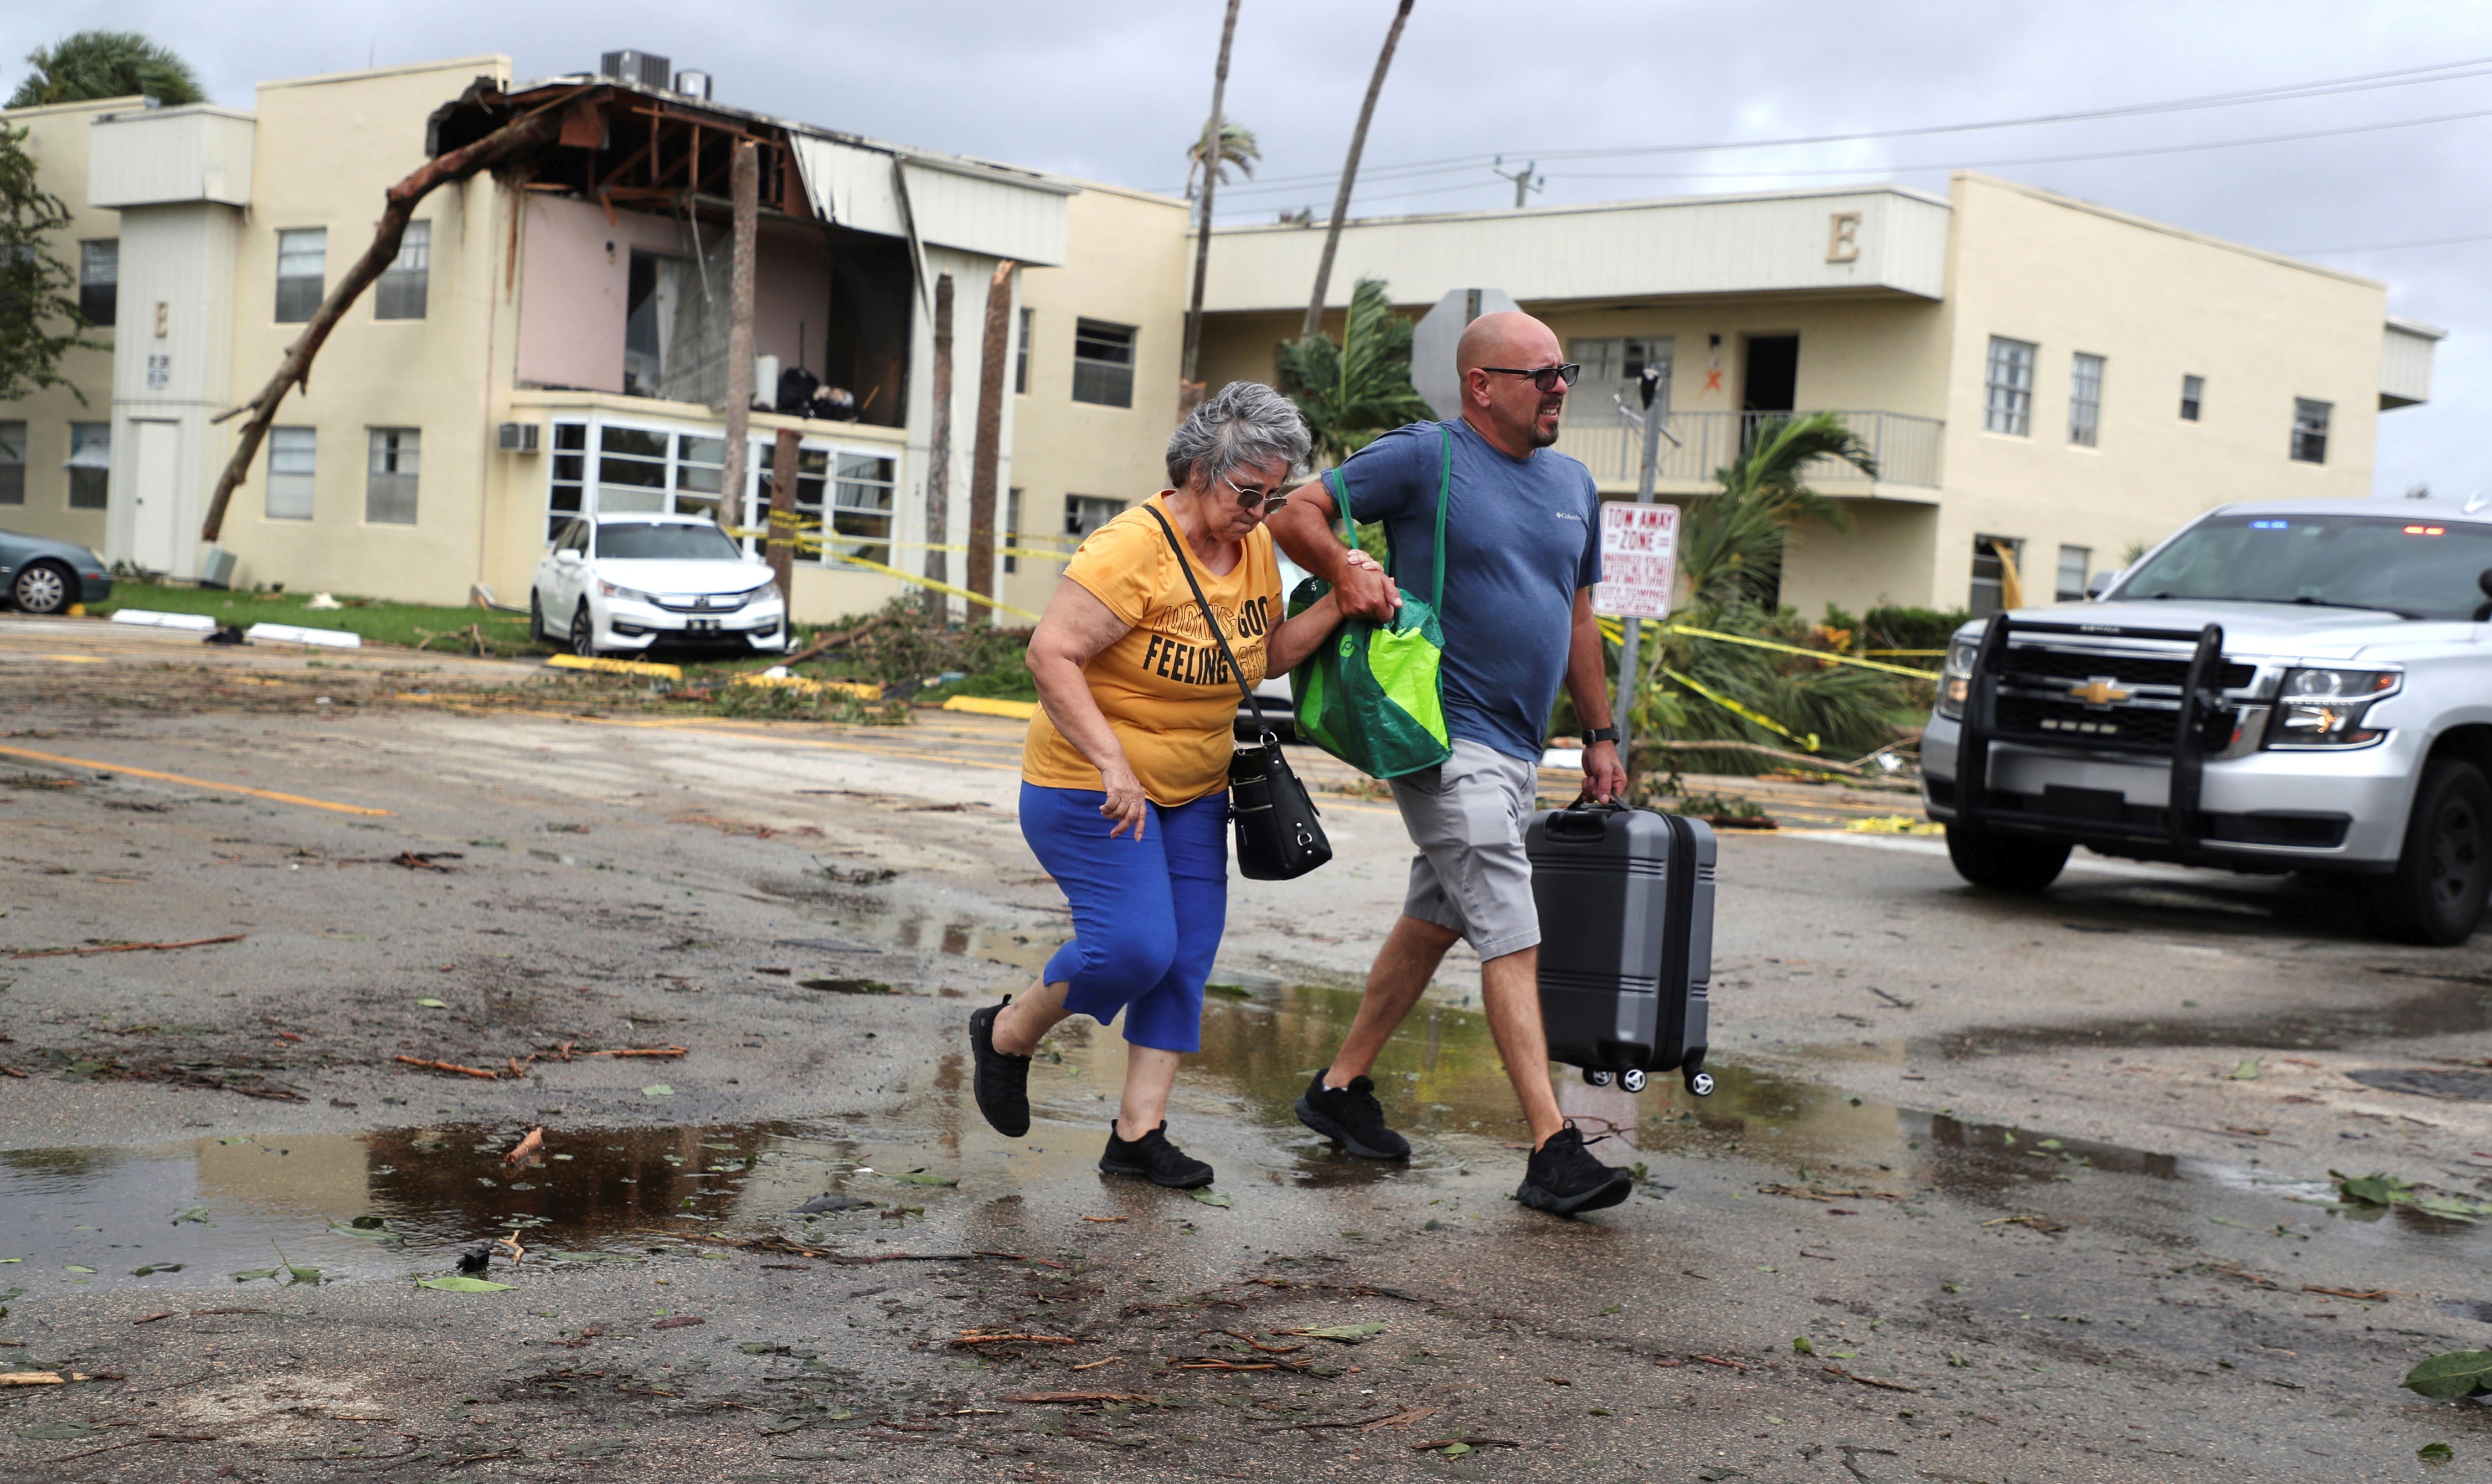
(1351, 1118)
(1155, 1159)
(1003, 1079)
(1562, 1177)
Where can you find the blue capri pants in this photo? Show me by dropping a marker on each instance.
(1147, 914)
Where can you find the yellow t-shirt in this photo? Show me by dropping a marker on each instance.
(1163, 686)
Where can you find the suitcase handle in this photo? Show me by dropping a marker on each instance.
(1580, 819)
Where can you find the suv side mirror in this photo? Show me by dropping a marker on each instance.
(2100, 583)
(566, 556)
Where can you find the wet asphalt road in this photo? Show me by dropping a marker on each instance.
(2034, 1178)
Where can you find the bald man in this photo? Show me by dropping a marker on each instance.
(1522, 553)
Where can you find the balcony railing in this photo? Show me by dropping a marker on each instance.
(1905, 446)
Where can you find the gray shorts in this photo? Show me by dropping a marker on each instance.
(1470, 874)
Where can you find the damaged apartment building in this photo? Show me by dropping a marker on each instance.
(550, 340)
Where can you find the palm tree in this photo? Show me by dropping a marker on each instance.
(1353, 392)
(1733, 549)
(1237, 147)
(1222, 144)
(1349, 170)
(106, 64)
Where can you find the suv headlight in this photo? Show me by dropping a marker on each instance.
(2325, 708)
(629, 595)
(1955, 677)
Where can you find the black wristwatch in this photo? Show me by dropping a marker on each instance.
(1594, 734)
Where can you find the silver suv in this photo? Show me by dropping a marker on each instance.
(2298, 686)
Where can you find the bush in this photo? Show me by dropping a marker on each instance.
(1907, 628)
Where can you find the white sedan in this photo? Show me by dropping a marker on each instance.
(623, 584)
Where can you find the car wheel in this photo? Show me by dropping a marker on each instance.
(2437, 893)
(44, 587)
(583, 633)
(2001, 860)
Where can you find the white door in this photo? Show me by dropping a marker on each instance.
(155, 453)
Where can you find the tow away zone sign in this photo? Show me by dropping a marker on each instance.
(1639, 560)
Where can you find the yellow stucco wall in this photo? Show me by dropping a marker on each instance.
(56, 137)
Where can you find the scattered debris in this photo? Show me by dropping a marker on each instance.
(1075, 1398)
(679, 1321)
(2042, 1224)
(449, 1066)
(465, 1285)
(1867, 1380)
(969, 1338)
(66, 953)
(532, 1144)
(2451, 1376)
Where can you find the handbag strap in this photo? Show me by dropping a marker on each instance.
(1209, 621)
(1340, 489)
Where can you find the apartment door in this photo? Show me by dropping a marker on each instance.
(1773, 374)
(155, 451)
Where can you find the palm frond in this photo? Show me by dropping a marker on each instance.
(106, 64)
(1353, 390)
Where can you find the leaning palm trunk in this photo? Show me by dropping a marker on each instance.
(1349, 170)
(1188, 390)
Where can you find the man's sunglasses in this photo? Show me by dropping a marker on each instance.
(1267, 501)
(1547, 378)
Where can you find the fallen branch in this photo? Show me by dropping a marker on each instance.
(1718, 1360)
(71, 953)
(1268, 1350)
(450, 1066)
(153, 1317)
(638, 1050)
(968, 1340)
(2365, 1295)
(1465, 1442)
(528, 1145)
(827, 642)
(1868, 1381)
(49, 1378)
(1074, 1398)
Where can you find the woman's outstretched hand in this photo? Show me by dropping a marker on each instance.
(1126, 803)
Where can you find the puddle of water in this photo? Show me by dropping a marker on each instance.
(442, 1189)
(2456, 1005)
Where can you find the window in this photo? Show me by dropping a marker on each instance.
(90, 465)
(292, 460)
(1087, 513)
(2073, 563)
(1613, 367)
(1011, 533)
(566, 480)
(99, 279)
(12, 464)
(2009, 408)
(862, 499)
(2193, 394)
(652, 470)
(302, 273)
(400, 292)
(2085, 400)
(1021, 356)
(1103, 364)
(389, 481)
(1996, 580)
(2310, 429)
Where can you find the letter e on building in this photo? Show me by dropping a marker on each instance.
(1843, 237)
(1639, 560)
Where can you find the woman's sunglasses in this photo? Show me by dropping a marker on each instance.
(1547, 378)
(1250, 501)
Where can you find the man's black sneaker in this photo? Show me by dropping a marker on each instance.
(1351, 1118)
(1155, 1159)
(1562, 1177)
(1003, 1079)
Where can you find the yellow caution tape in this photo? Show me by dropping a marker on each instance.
(1808, 743)
(615, 667)
(941, 588)
(1020, 710)
(807, 537)
(1932, 652)
(1615, 632)
(1895, 824)
(861, 690)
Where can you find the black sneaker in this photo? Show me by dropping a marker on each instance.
(1562, 1177)
(1351, 1118)
(1003, 1079)
(1155, 1159)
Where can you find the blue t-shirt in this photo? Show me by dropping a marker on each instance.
(1521, 536)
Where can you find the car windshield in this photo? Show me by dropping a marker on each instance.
(2418, 568)
(658, 542)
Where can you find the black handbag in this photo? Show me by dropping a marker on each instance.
(1278, 837)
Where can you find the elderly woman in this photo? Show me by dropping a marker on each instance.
(1124, 775)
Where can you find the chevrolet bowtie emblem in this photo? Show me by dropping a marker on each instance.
(2100, 690)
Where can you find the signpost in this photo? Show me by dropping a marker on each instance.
(1639, 555)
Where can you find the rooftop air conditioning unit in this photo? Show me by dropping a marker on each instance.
(643, 68)
(693, 83)
(517, 438)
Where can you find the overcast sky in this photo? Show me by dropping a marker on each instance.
(1113, 90)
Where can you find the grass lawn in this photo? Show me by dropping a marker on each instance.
(378, 621)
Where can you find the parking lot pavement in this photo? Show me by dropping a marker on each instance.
(2043, 1182)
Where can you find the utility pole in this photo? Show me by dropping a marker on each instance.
(1656, 407)
(778, 548)
(745, 182)
(939, 452)
(987, 443)
(1188, 388)
(1524, 180)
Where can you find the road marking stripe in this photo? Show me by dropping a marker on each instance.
(194, 783)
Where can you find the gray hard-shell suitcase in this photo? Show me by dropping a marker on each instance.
(1626, 941)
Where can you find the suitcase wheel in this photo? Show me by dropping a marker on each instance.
(1701, 1084)
(1598, 1076)
(1632, 1079)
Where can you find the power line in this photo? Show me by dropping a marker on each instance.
(2387, 246)
(2447, 71)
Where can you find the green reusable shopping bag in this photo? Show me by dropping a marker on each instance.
(1371, 696)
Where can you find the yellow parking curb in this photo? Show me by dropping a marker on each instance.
(615, 667)
(1018, 710)
(861, 690)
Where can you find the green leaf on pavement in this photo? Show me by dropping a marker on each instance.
(1455, 1449)
(657, 1090)
(310, 1275)
(2450, 1208)
(73, 1267)
(431, 1003)
(2451, 1375)
(461, 1284)
(198, 1214)
(2374, 1189)
(1212, 1198)
(2435, 1453)
(1802, 1345)
(2247, 1071)
(256, 1272)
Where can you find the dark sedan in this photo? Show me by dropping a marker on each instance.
(44, 576)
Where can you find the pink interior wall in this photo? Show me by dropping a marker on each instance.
(575, 276)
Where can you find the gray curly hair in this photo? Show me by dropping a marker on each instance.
(1244, 422)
